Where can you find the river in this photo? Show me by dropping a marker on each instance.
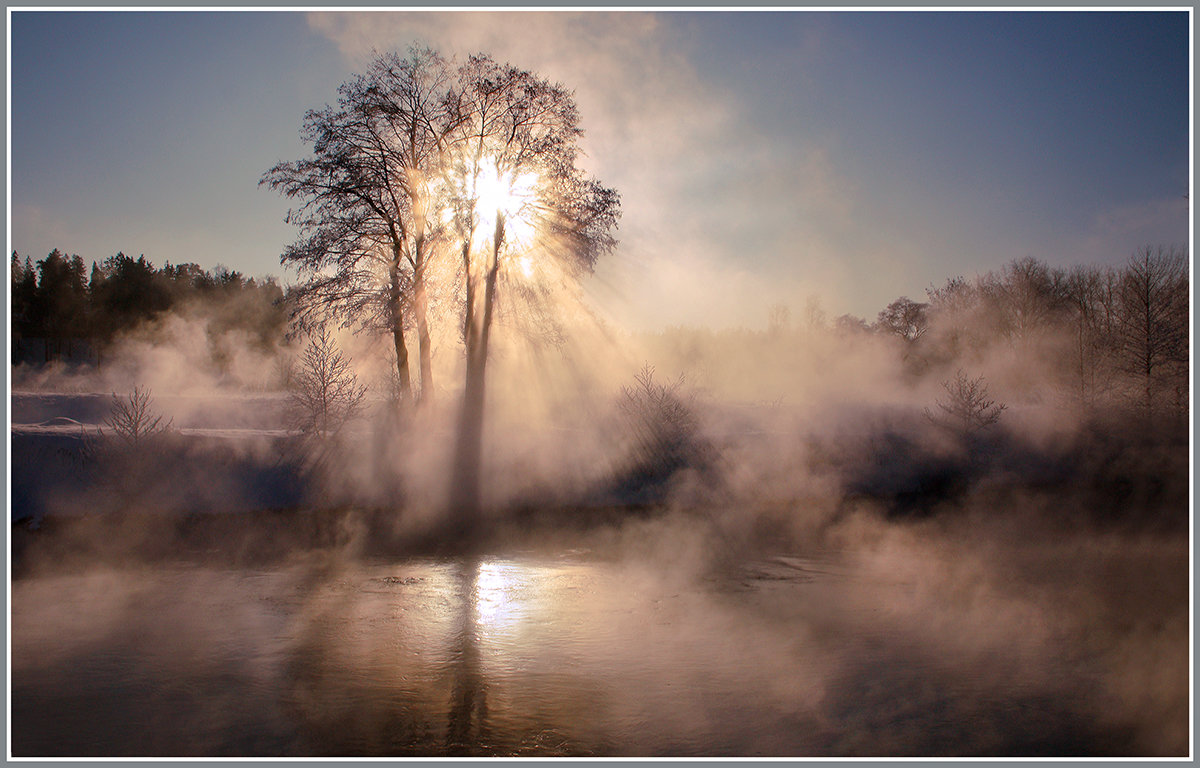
(573, 653)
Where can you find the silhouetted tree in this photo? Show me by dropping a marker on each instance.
(53, 301)
(662, 422)
(368, 216)
(23, 282)
(413, 144)
(907, 320)
(132, 291)
(133, 419)
(1090, 294)
(850, 324)
(957, 317)
(59, 306)
(1030, 297)
(324, 390)
(904, 318)
(967, 408)
(188, 279)
(512, 166)
(16, 274)
(1154, 319)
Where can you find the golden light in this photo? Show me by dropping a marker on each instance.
(525, 263)
(494, 601)
(509, 195)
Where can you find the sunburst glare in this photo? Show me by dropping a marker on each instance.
(495, 603)
(511, 195)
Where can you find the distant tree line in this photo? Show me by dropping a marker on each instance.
(1105, 334)
(60, 310)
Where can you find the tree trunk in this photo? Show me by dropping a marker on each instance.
(420, 314)
(397, 319)
(468, 451)
(402, 362)
(489, 293)
(1148, 357)
(421, 305)
(469, 311)
(465, 495)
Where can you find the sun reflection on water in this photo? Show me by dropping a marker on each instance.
(497, 595)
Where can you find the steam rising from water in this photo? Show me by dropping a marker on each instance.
(785, 578)
(897, 647)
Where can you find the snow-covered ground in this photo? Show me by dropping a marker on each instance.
(35, 411)
(229, 457)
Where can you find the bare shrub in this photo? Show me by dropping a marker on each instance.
(133, 418)
(324, 392)
(967, 409)
(663, 425)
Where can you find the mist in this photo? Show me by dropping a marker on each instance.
(750, 541)
(554, 442)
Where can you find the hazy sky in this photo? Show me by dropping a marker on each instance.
(762, 158)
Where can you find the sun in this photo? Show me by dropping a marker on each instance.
(508, 195)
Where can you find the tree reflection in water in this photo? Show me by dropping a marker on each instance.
(521, 656)
(467, 727)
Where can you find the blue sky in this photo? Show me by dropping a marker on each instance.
(762, 158)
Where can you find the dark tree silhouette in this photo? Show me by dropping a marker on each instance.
(516, 192)
(53, 302)
(662, 421)
(1107, 333)
(1029, 296)
(956, 315)
(1153, 329)
(417, 156)
(1090, 294)
(848, 324)
(967, 408)
(59, 307)
(133, 419)
(369, 215)
(904, 318)
(23, 284)
(325, 393)
(129, 291)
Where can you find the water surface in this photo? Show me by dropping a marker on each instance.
(567, 654)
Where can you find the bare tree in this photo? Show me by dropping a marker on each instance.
(779, 319)
(419, 158)
(1030, 296)
(1154, 319)
(516, 193)
(133, 419)
(369, 218)
(1090, 296)
(325, 393)
(967, 409)
(904, 318)
(848, 324)
(814, 315)
(957, 316)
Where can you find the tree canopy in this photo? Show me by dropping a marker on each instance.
(58, 302)
(407, 169)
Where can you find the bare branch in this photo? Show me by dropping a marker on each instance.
(133, 420)
(967, 409)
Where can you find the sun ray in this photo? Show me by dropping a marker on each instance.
(508, 195)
